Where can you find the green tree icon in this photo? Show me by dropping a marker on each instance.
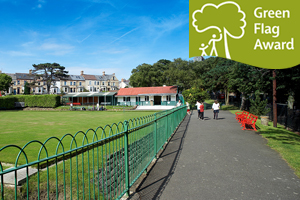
(227, 18)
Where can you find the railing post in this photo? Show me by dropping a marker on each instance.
(126, 158)
(155, 134)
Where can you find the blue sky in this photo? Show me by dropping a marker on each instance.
(92, 35)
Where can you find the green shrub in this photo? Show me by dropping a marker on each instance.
(42, 101)
(8, 102)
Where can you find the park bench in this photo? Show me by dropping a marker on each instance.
(249, 122)
(241, 115)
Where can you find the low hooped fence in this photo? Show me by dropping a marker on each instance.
(98, 164)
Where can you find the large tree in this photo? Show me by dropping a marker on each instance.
(5, 82)
(48, 72)
(146, 75)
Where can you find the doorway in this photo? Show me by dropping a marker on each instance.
(157, 100)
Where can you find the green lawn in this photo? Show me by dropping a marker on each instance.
(20, 127)
(286, 143)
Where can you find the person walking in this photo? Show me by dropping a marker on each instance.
(202, 111)
(179, 103)
(188, 108)
(198, 108)
(216, 108)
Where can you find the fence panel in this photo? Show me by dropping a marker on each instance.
(98, 164)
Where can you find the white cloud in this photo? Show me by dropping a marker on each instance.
(19, 53)
(56, 49)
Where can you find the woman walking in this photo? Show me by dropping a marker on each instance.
(216, 108)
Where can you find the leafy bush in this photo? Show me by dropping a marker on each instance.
(42, 101)
(258, 107)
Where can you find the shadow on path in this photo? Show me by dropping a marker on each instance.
(159, 175)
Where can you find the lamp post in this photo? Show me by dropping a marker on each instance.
(274, 100)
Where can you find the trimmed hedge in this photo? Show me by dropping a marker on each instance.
(42, 101)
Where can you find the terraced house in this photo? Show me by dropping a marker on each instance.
(71, 84)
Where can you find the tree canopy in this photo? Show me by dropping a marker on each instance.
(217, 74)
(48, 72)
(5, 82)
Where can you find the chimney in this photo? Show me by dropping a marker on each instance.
(113, 74)
(103, 73)
(122, 80)
(81, 73)
(30, 71)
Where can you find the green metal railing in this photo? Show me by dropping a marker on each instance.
(98, 164)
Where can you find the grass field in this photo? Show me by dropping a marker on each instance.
(286, 143)
(20, 127)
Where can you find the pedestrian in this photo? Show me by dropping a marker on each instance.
(179, 103)
(216, 108)
(188, 108)
(71, 106)
(202, 111)
(198, 108)
(97, 106)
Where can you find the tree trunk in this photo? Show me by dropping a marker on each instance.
(243, 105)
(226, 97)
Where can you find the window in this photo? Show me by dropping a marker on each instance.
(103, 83)
(18, 82)
(80, 83)
(66, 89)
(70, 83)
(137, 99)
(90, 83)
(98, 83)
(25, 82)
(14, 82)
(113, 83)
(74, 83)
(65, 82)
(108, 83)
(126, 98)
(146, 98)
(95, 83)
(169, 98)
(113, 78)
(71, 89)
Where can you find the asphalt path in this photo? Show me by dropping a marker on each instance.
(214, 160)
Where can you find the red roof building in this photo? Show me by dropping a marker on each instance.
(148, 96)
(150, 91)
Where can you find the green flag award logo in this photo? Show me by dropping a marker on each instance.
(259, 33)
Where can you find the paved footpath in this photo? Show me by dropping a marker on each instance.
(214, 160)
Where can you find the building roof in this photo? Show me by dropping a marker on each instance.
(103, 77)
(89, 77)
(13, 76)
(166, 90)
(24, 76)
(76, 77)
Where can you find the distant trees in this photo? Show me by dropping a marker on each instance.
(48, 72)
(218, 74)
(5, 82)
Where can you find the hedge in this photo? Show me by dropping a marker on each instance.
(42, 101)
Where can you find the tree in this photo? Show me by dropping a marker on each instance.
(146, 75)
(258, 107)
(195, 94)
(5, 82)
(48, 72)
(26, 88)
